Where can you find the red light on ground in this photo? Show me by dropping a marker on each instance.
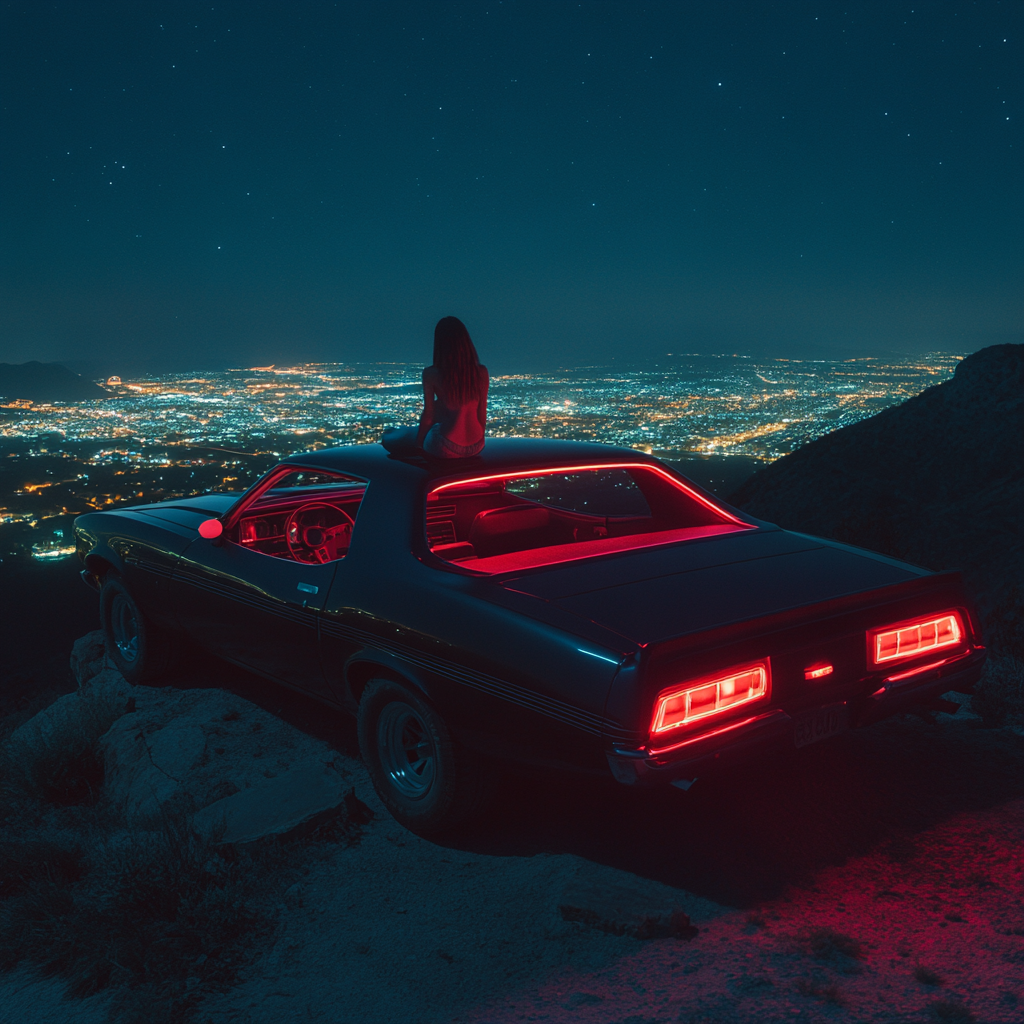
(702, 698)
(907, 640)
(211, 529)
(818, 671)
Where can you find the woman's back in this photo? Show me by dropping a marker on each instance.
(455, 389)
(461, 420)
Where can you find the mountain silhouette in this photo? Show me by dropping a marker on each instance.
(45, 382)
(937, 481)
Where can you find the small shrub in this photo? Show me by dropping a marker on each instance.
(951, 1011)
(999, 697)
(159, 918)
(62, 767)
(827, 993)
(927, 976)
(25, 864)
(828, 944)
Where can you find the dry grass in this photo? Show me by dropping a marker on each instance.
(64, 769)
(828, 944)
(951, 1011)
(159, 918)
(827, 992)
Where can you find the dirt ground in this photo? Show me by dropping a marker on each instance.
(875, 877)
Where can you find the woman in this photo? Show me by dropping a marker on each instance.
(454, 398)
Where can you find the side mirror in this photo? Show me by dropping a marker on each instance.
(211, 529)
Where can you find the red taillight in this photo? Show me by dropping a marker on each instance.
(712, 695)
(909, 639)
(818, 671)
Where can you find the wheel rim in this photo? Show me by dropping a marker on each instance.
(125, 628)
(406, 750)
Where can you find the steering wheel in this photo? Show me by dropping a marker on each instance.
(317, 532)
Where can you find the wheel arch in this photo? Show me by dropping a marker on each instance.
(99, 564)
(369, 664)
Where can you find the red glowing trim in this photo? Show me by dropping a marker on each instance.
(555, 554)
(710, 734)
(909, 639)
(817, 671)
(919, 670)
(648, 467)
(710, 696)
(211, 529)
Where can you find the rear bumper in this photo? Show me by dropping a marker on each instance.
(896, 694)
(774, 730)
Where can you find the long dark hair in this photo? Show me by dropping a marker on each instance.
(456, 361)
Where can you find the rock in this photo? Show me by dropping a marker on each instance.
(193, 748)
(935, 481)
(88, 656)
(274, 806)
(78, 718)
(110, 686)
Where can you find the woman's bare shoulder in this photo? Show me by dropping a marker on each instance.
(484, 373)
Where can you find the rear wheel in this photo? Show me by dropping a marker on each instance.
(140, 650)
(428, 782)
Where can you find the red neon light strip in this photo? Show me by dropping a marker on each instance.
(463, 481)
(656, 752)
(555, 554)
(921, 669)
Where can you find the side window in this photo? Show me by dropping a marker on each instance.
(306, 516)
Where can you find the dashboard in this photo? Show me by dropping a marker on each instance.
(313, 527)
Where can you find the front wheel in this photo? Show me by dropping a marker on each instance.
(140, 651)
(426, 780)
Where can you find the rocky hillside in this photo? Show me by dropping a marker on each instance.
(937, 481)
(45, 382)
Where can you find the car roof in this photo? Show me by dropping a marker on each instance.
(500, 454)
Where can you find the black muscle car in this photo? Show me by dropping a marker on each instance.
(560, 604)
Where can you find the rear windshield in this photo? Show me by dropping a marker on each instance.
(529, 519)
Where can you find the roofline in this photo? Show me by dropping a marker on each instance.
(500, 454)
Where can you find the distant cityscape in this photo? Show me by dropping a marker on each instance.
(160, 437)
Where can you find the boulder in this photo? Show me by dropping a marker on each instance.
(88, 656)
(185, 750)
(193, 748)
(76, 719)
(299, 797)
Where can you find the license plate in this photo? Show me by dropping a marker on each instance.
(819, 725)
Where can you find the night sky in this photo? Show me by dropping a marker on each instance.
(198, 185)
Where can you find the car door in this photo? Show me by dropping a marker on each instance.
(254, 609)
(252, 596)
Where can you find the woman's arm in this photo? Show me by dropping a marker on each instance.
(481, 409)
(427, 416)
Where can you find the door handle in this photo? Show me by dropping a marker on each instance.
(307, 588)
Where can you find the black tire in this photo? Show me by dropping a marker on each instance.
(140, 651)
(428, 782)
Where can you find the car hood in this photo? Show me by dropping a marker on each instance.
(650, 596)
(206, 504)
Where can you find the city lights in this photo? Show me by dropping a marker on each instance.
(162, 437)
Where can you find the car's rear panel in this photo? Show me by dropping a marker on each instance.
(799, 605)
